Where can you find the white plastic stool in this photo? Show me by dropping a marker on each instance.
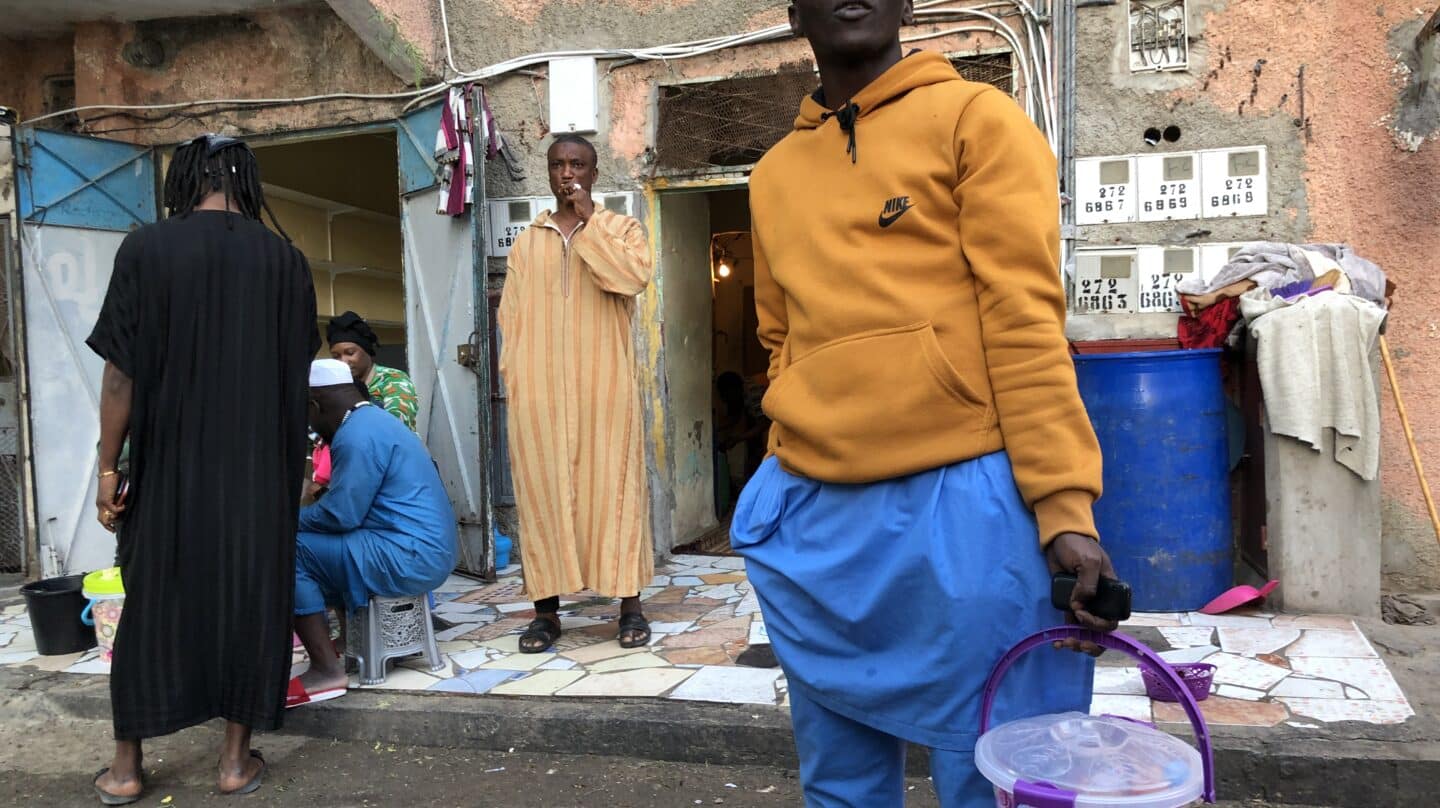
(391, 628)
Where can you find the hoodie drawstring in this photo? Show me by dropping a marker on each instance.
(847, 116)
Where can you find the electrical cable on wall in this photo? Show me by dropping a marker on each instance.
(1030, 45)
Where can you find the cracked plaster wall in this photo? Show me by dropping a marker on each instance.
(268, 54)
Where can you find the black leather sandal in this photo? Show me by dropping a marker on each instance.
(638, 627)
(540, 635)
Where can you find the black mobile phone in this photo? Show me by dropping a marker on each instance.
(1111, 601)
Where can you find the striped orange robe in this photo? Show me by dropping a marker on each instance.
(576, 441)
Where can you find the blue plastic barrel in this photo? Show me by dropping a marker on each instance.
(1165, 514)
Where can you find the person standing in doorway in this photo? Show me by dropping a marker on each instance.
(353, 342)
(568, 363)
(207, 332)
(741, 421)
(932, 463)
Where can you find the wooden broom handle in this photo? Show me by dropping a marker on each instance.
(1409, 435)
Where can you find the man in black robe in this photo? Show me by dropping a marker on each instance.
(207, 332)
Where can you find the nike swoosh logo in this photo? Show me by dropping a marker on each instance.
(886, 221)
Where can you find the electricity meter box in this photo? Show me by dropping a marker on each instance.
(1160, 271)
(1168, 186)
(1106, 281)
(574, 95)
(1104, 190)
(1214, 184)
(1235, 182)
(510, 217)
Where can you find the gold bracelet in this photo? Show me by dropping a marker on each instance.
(110, 473)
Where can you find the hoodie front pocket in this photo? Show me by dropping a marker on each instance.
(868, 393)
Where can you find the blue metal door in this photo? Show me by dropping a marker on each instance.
(78, 196)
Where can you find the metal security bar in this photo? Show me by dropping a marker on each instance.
(12, 534)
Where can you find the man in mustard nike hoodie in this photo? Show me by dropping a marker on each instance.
(931, 461)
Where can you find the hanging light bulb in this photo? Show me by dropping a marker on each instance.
(724, 269)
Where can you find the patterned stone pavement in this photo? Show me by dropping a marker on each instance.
(701, 609)
(1297, 670)
(1273, 670)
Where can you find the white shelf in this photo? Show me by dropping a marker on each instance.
(330, 206)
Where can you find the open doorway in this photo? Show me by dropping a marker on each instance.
(362, 206)
(338, 198)
(739, 365)
(715, 365)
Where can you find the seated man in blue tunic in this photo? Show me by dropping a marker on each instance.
(384, 528)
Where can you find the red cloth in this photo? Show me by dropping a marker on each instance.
(1209, 327)
(320, 460)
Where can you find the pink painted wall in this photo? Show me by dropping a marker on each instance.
(1363, 185)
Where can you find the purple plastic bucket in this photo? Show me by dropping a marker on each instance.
(1045, 795)
(1197, 677)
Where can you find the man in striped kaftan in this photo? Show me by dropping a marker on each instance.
(575, 432)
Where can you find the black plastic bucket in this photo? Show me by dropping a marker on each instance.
(55, 606)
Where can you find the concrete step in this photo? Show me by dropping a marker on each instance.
(1339, 765)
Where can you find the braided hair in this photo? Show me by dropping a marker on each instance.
(211, 163)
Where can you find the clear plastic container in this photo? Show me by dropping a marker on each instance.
(106, 591)
(1105, 761)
